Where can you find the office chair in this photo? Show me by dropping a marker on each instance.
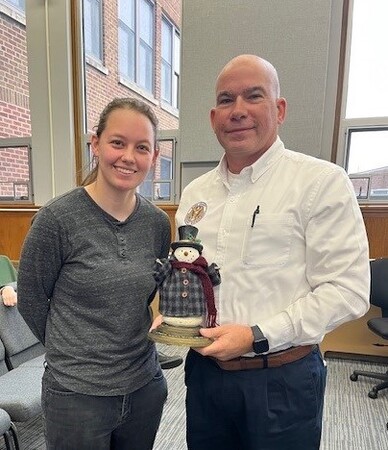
(379, 325)
(8, 431)
(7, 270)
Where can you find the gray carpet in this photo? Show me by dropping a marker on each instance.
(352, 421)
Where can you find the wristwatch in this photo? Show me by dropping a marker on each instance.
(260, 342)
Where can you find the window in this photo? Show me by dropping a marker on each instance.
(365, 125)
(368, 160)
(136, 42)
(15, 170)
(164, 191)
(20, 4)
(170, 63)
(146, 187)
(158, 186)
(93, 28)
(15, 122)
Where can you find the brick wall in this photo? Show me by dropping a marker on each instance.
(101, 85)
(14, 104)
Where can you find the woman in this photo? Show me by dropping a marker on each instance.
(85, 283)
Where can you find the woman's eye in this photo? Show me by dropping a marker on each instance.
(117, 143)
(143, 148)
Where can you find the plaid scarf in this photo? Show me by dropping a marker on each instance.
(199, 267)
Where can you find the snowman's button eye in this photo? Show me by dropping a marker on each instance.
(184, 294)
(185, 282)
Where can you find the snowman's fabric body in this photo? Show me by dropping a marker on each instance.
(185, 282)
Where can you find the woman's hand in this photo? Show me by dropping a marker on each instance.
(9, 296)
(157, 321)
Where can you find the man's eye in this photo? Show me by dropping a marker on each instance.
(143, 148)
(224, 101)
(255, 96)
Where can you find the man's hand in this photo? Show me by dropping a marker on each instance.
(9, 296)
(230, 341)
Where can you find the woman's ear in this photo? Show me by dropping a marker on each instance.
(94, 145)
(156, 154)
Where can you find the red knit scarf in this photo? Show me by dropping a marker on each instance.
(198, 267)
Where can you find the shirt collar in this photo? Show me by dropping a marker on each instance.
(257, 169)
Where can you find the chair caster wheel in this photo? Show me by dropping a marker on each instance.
(372, 394)
(354, 377)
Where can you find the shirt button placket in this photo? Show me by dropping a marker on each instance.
(122, 245)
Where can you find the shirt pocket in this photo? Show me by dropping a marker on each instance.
(268, 242)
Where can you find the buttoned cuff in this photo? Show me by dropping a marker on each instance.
(279, 331)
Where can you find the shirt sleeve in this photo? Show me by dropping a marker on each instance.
(337, 268)
(40, 264)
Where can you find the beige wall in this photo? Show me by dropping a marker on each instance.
(300, 37)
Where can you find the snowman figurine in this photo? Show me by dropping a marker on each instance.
(186, 296)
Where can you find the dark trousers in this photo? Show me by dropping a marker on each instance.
(83, 422)
(260, 409)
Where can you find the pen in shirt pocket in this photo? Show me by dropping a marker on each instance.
(255, 213)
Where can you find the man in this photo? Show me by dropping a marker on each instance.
(287, 233)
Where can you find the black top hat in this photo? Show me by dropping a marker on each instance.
(187, 238)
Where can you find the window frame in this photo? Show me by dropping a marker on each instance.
(20, 5)
(165, 136)
(137, 44)
(174, 75)
(346, 126)
(100, 57)
(163, 180)
(17, 142)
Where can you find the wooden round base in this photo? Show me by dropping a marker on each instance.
(189, 337)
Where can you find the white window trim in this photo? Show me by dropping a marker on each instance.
(346, 124)
(12, 11)
(134, 84)
(164, 104)
(93, 60)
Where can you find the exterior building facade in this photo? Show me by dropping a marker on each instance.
(131, 49)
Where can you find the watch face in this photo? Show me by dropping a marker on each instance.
(260, 346)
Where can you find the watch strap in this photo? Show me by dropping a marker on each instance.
(257, 333)
(260, 343)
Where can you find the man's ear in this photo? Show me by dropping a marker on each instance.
(281, 105)
(212, 114)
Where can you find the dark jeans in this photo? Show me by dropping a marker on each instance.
(260, 409)
(83, 422)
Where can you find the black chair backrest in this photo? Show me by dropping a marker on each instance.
(379, 284)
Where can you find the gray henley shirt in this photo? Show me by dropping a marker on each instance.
(84, 286)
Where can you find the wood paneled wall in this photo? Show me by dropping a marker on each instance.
(15, 223)
(14, 226)
(376, 224)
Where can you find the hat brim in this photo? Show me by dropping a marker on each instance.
(175, 245)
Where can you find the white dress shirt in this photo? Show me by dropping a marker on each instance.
(299, 266)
